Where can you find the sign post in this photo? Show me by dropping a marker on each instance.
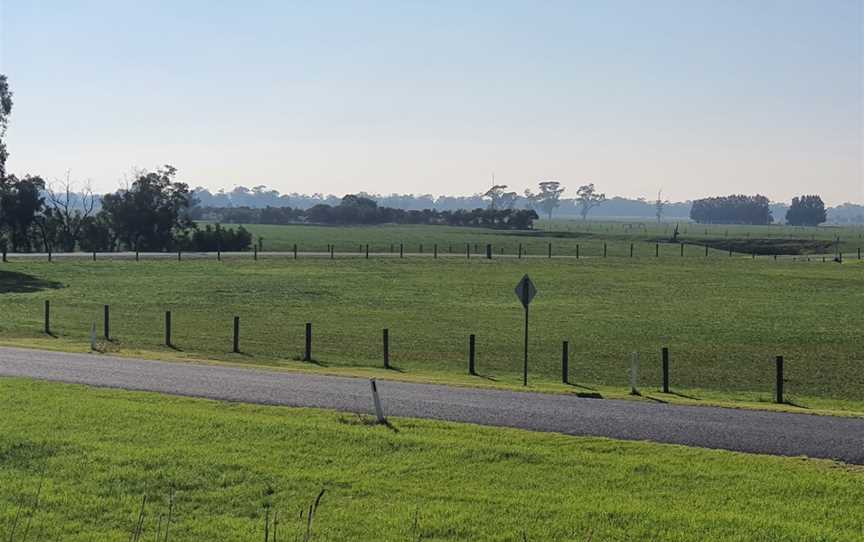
(525, 291)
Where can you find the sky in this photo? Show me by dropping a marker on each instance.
(693, 97)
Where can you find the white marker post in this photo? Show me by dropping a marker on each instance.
(379, 412)
(634, 374)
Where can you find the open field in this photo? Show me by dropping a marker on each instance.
(565, 235)
(97, 453)
(724, 319)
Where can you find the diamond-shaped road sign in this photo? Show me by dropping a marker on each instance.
(525, 291)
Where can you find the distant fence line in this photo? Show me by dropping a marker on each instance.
(483, 250)
(471, 359)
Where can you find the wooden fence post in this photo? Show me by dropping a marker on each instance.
(779, 383)
(488, 251)
(236, 334)
(665, 370)
(401, 250)
(386, 337)
(550, 250)
(565, 362)
(295, 251)
(471, 354)
(307, 356)
(435, 251)
(367, 251)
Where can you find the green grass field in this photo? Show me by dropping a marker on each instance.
(97, 453)
(565, 236)
(724, 319)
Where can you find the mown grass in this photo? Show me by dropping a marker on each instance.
(97, 453)
(724, 320)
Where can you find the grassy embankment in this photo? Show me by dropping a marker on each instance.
(97, 453)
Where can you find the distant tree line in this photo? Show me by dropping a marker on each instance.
(358, 210)
(757, 210)
(736, 209)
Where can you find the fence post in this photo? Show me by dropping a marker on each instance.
(5, 260)
(236, 334)
(435, 251)
(136, 256)
(657, 250)
(295, 251)
(682, 250)
(178, 256)
(49, 255)
(4, 254)
(307, 356)
(665, 370)
(401, 250)
(605, 249)
(332, 251)
(471, 353)
(577, 251)
(488, 251)
(94, 255)
(634, 374)
(255, 256)
(779, 385)
(106, 320)
(168, 328)
(631, 250)
(706, 251)
(47, 317)
(218, 254)
(386, 338)
(565, 362)
(520, 251)
(468, 250)
(421, 248)
(367, 251)
(550, 250)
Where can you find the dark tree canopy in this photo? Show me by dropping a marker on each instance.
(807, 211)
(736, 209)
(151, 212)
(20, 202)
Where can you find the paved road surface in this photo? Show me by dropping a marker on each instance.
(730, 429)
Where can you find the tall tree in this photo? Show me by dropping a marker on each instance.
(547, 199)
(587, 198)
(5, 111)
(20, 202)
(149, 214)
(807, 211)
(66, 214)
(660, 206)
(494, 195)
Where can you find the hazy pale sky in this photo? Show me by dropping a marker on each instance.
(697, 97)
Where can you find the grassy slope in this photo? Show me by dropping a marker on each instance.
(724, 320)
(101, 451)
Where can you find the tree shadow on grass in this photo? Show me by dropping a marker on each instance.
(12, 282)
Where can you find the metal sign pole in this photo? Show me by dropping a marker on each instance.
(525, 366)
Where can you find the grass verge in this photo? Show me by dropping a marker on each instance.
(97, 453)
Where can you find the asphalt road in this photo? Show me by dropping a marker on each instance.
(707, 427)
